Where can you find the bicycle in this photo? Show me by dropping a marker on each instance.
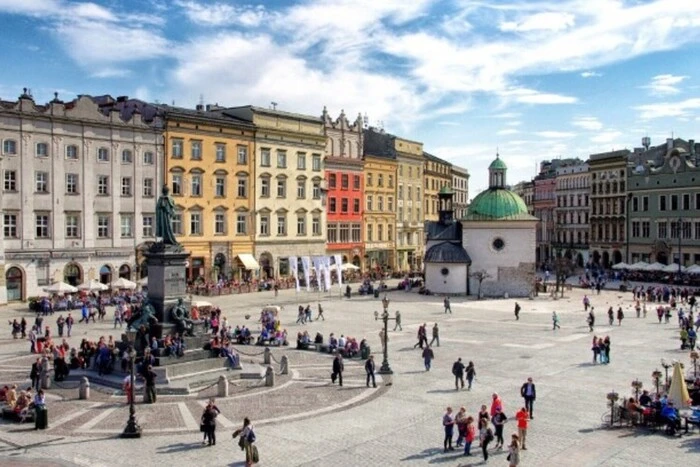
(616, 415)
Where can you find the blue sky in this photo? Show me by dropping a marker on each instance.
(537, 79)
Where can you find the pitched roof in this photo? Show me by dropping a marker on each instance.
(447, 252)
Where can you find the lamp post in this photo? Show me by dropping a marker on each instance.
(656, 376)
(627, 229)
(680, 256)
(695, 356)
(666, 367)
(385, 369)
(132, 429)
(637, 386)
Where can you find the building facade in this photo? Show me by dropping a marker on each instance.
(437, 174)
(209, 169)
(664, 208)
(79, 192)
(409, 212)
(572, 211)
(607, 211)
(460, 188)
(345, 182)
(290, 195)
(380, 195)
(544, 203)
(526, 190)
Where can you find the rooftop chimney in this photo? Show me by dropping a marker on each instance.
(199, 107)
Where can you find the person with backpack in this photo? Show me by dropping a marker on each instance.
(246, 441)
(486, 438)
(499, 421)
(471, 374)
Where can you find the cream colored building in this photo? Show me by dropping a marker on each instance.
(289, 194)
(409, 212)
(460, 188)
(80, 185)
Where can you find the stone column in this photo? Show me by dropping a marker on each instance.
(84, 388)
(222, 386)
(284, 365)
(267, 357)
(269, 377)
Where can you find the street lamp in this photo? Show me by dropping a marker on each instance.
(385, 368)
(666, 368)
(132, 429)
(627, 229)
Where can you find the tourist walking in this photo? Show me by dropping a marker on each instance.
(150, 394)
(422, 336)
(369, 369)
(586, 302)
(555, 321)
(528, 392)
(208, 424)
(611, 316)
(448, 422)
(320, 312)
(69, 324)
(34, 374)
(60, 323)
(499, 421)
(397, 319)
(436, 335)
(246, 441)
(428, 356)
(488, 437)
(620, 316)
(591, 320)
(446, 302)
(606, 347)
(470, 434)
(338, 368)
(517, 311)
(514, 451)
(522, 418)
(461, 422)
(458, 372)
(471, 374)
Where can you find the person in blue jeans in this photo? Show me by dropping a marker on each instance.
(427, 357)
(448, 421)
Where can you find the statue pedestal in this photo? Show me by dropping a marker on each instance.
(166, 277)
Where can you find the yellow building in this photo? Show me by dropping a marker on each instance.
(409, 213)
(380, 200)
(209, 167)
(438, 174)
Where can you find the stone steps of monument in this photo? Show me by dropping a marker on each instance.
(197, 341)
(196, 382)
(189, 356)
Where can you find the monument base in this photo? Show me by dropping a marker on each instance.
(166, 277)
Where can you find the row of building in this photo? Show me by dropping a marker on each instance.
(252, 186)
(619, 206)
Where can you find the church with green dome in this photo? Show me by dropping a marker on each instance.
(497, 237)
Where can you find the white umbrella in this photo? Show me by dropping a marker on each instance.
(93, 286)
(348, 267)
(201, 304)
(621, 265)
(694, 269)
(122, 283)
(60, 288)
(673, 267)
(678, 392)
(639, 266)
(655, 267)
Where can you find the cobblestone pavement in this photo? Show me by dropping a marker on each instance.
(304, 420)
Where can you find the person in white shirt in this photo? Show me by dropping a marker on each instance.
(341, 342)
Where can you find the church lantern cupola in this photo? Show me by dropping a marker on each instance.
(445, 211)
(497, 173)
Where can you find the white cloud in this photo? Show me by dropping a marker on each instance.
(662, 85)
(111, 73)
(530, 96)
(686, 109)
(591, 74)
(547, 21)
(508, 131)
(222, 14)
(555, 134)
(606, 136)
(587, 123)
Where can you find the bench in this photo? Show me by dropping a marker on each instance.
(10, 414)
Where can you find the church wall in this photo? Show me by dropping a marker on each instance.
(453, 283)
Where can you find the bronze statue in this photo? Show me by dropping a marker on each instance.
(181, 316)
(165, 210)
(144, 318)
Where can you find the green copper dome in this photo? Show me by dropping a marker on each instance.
(498, 164)
(497, 203)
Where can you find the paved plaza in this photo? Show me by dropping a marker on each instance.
(305, 420)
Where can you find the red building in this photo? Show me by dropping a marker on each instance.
(343, 167)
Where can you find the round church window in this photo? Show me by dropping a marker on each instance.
(498, 244)
(444, 271)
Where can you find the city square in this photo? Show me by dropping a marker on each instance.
(306, 420)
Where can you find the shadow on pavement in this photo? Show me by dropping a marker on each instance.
(423, 454)
(179, 447)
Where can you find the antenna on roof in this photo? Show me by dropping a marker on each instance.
(201, 99)
(274, 105)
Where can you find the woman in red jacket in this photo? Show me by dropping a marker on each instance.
(469, 437)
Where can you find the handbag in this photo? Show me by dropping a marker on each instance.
(508, 458)
(202, 428)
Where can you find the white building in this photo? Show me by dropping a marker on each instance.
(79, 192)
(460, 187)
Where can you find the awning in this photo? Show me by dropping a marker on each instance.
(248, 261)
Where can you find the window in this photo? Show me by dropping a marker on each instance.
(369, 233)
(9, 146)
(10, 180)
(316, 225)
(331, 204)
(281, 159)
(148, 158)
(42, 182)
(127, 156)
(72, 184)
(301, 160)
(662, 230)
(316, 190)
(147, 187)
(316, 162)
(281, 224)
(196, 150)
(400, 192)
(390, 233)
(176, 223)
(356, 182)
(281, 188)
(265, 188)
(697, 231)
(344, 233)
(344, 181)
(646, 229)
(176, 184)
(196, 185)
(356, 233)
(369, 180)
(176, 149)
(301, 224)
(264, 224)
(241, 224)
(42, 150)
(674, 202)
(391, 181)
(685, 230)
(417, 193)
(380, 181)
(380, 233)
(72, 152)
(220, 187)
(686, 202)
(635, 229)
(148, 226)
(380, 203)
(344, 205)
(331, 181)
(645, 203)
(10, 225)
(265, 158)
(220, 152)
(369, 203)
(242, 187)
(399, 216)
(390, 203)
(662, 202)
(42, 225)
(102, 155)
(332, 233)
(301, 189)
(102, 226)
(356, 206)
(219, 223)
(195, 223)
(127, 223)
(103, 185)
(126, 186)
(242, 157)
(635, 204)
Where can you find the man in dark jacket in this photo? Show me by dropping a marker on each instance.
(369, 368)
(34, 374)
(527, 391)
(458, 371)
(150, 376)
(338, 369)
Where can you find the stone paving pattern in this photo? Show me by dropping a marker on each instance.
(304, 420)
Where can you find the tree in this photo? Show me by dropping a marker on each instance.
(480, 276)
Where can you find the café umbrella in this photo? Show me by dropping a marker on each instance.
(93, 286)
(678, 393)
(60, 288)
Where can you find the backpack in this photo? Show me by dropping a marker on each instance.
(251, 436)
(489, 435)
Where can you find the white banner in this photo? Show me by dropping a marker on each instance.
(318, 267)
(327, 272)
(338, 269)
(306, 264)
(294, 264)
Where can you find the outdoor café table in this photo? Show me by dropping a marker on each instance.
(692, 414)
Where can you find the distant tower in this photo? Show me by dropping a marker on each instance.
(445, 211)
(646, 142)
